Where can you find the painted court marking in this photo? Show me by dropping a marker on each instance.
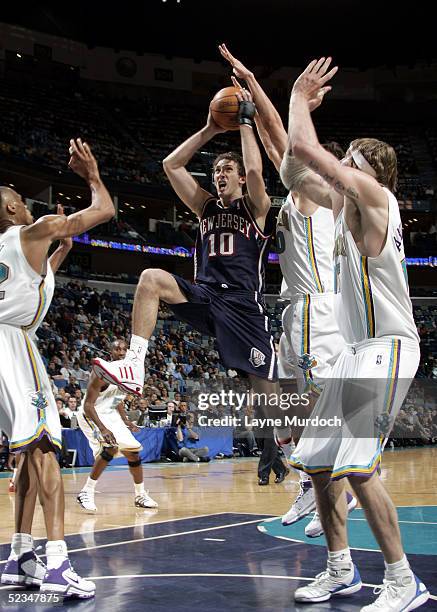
(159, 537)
(170, 520)
(214, 540)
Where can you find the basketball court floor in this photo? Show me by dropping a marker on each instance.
(216, 542)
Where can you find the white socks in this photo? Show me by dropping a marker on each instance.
(21, 543)
(138, 346)
(90, 485)
(340, 562)
(56, 551)
(139, 489)
(397, 570)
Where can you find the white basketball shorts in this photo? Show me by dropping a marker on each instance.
(367, 387)
(27, 406)
(113, 421)
(313, 341)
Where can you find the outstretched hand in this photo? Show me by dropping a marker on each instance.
(82, 161)
(311, 83)
(238, 68)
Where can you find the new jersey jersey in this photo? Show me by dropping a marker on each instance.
(305, 246)
(231, 250)
(374, 299)
(25, 295)
(107, 401)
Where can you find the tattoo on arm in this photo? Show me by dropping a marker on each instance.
(339, 185)
(313, 165)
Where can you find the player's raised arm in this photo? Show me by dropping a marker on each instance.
(101, 209)
(305, 147)
(93, 391)
(269, 123)
(259, 200)
(185, 185)
(65, 246)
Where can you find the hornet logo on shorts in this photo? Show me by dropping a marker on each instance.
(383, 424)
(306, 362)
(39, 400)
(257, 358)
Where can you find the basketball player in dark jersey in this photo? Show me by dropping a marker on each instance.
(225, 299)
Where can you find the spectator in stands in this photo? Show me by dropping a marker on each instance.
(182, 408)
(170, 411)
(78, 373)
(72, 404)
(187, 441)
(72, 385)
(143, 407)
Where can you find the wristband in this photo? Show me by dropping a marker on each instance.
(246, 112)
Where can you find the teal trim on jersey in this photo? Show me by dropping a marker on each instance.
(311, 255)
(404, 270)
(418, 526)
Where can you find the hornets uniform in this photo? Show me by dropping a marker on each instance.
(27, 406)
(311, 340)
(226, 298)
(106, 408)
(371, 376)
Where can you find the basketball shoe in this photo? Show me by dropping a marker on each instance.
(304, 503)
(145, 501)
(330, 583)
(399, 594)
(85, 499)
(27, 569)
(64, 581)
(128, 373)
(314, 528)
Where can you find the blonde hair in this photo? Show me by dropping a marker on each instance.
(382, 157)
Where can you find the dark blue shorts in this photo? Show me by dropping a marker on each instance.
(239, 322)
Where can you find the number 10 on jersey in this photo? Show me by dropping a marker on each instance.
(224, 244)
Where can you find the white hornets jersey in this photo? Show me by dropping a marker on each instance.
(25, 295)
(108, 400)
(374, 299)
(305, 246)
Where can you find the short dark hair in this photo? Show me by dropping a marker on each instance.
(235, 157)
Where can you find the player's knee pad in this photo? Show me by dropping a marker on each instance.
(106, 456)
(134, 463)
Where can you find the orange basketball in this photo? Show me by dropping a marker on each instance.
(224, 108)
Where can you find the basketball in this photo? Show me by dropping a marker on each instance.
(224, 108)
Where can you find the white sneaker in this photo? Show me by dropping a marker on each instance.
(128, 373)
(27, 570)
(314, 528)
(145, 501)
(64, 581)
(304, 503)
(86, 500)
(402, 594)
(327, 585)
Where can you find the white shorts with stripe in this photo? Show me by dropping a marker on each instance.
(28, 409)
(368, 384)
(113, 421)
(311, 332)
